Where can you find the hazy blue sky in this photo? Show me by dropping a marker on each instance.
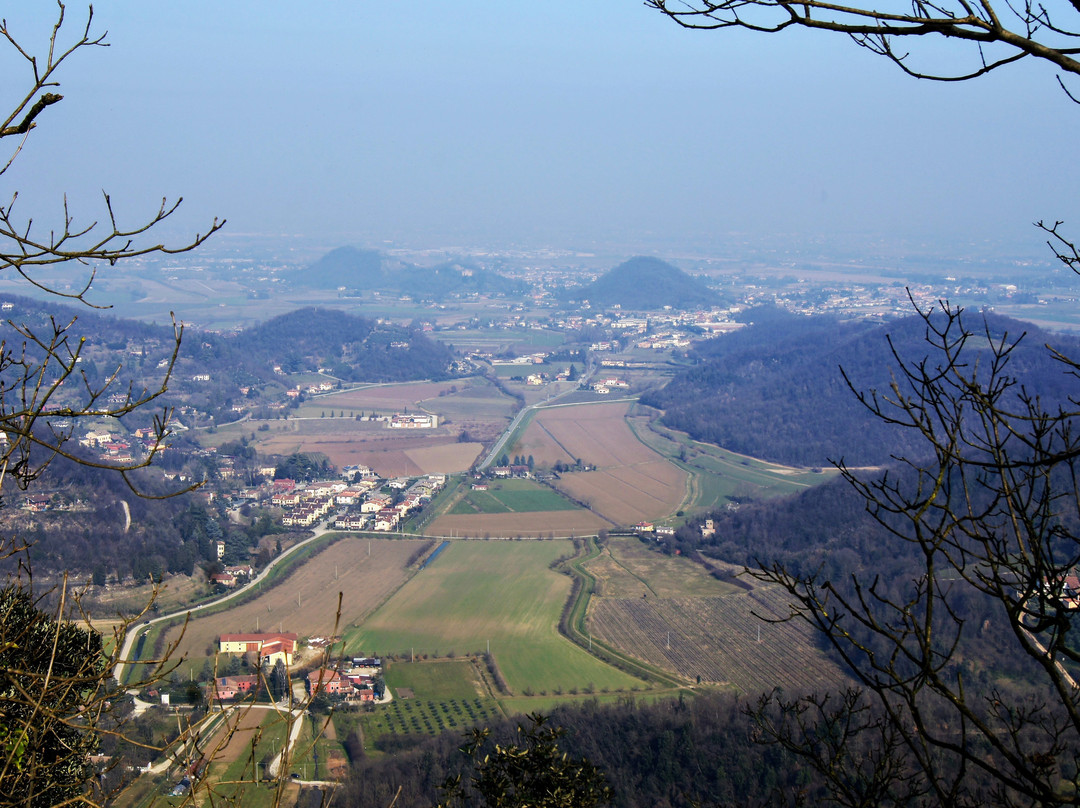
(559, 123)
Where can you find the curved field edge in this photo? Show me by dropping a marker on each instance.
(627, 480)
(716, 474)
(500, 596)
(136, 669)
(572, 623)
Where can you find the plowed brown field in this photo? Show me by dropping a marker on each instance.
(388, 397)
(388, 451)
(632, 483)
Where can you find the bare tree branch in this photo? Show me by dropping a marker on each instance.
(995, 37)
(34, 370)
(992, 510)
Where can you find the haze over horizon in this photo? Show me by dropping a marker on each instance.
(559, 124)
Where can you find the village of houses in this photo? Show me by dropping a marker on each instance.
(357, 505)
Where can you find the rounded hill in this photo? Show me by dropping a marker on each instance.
(645, 284)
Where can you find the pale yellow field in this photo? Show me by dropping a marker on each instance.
(407, 458)
(385, 398)
(595, 433)
(306, 602)
(446, 459)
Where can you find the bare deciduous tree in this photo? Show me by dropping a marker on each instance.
(992, 511)
(57, 693)
(43, 391)
(997, 34)
(990, 508)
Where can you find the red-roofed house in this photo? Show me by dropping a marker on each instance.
(330, 682)
(229, 687)
(269, 647)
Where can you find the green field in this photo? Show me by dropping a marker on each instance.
(438, 679)
(513, 496)
(500, 593)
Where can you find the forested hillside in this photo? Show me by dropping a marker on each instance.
(775, 390)
(694, 752)
(355, 348)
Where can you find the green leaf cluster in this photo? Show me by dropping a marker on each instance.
(531, 773)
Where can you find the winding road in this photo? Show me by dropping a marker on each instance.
(134, 632)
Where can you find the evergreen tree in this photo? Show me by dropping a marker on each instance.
(50, 674)
(532, 773)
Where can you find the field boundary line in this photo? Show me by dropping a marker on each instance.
(357, 625)
(557, 442)
(631, 573)
(580, 504)
(585, 403)
(572, 623)
(693, 473)
(271, 576)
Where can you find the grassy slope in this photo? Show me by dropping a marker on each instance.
(719, 474)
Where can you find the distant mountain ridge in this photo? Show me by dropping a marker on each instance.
(356, 271)
(346, 266)
(645, 284)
